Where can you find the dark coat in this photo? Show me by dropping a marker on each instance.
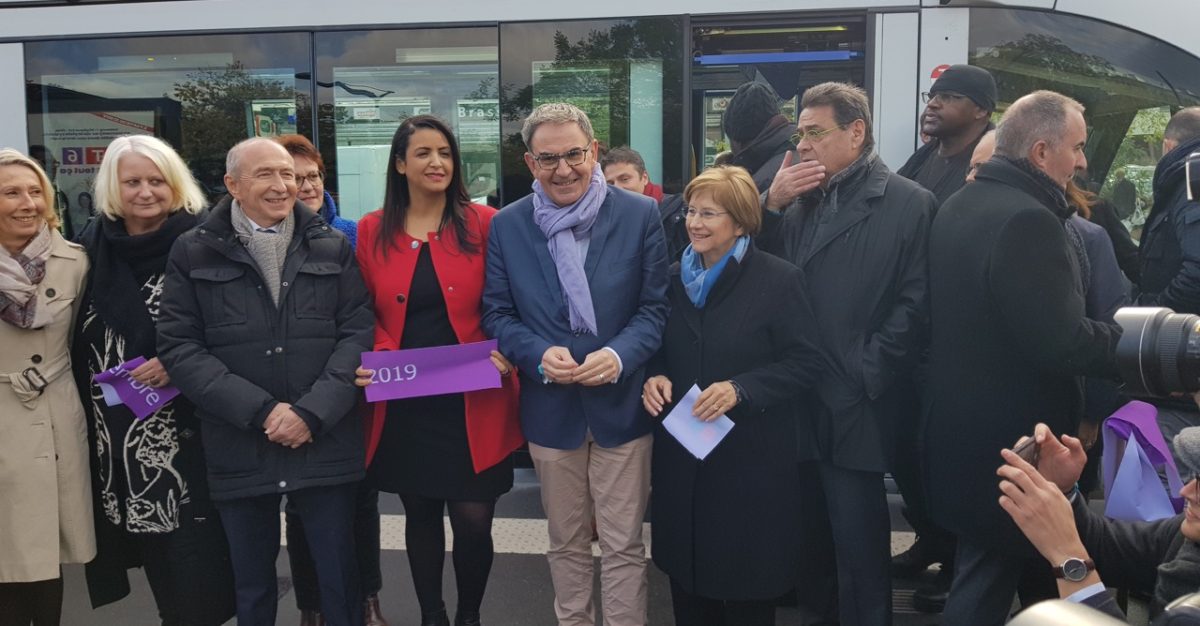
(1170, 246)
(235, 354)
(764, 154)
(725, 527)
(1009, 339)
(1122, 243)
(866, 276)
(954, 176)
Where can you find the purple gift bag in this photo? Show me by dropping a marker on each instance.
(1134, 450)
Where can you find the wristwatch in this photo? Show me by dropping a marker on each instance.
(1074, 569)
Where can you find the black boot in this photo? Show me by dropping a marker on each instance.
(466, 618)
(931, 598)
(435, 618)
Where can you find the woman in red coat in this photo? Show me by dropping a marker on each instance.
(422, 256)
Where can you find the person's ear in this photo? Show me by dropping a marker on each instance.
(1038, 153)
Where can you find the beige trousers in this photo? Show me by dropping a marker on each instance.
(613, 484)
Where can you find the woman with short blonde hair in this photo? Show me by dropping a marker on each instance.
(740, 332)
(149, 475)
(732, 188)
(186, 193)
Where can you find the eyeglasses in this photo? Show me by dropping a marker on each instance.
(814, 135)
(941, 97)
(573, 157)
(314, 179)
(704, 216)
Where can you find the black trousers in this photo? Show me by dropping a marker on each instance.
(694, 610)
(189, 572)
(862, 540)
(366, 549)
(935, 540)
(37, 603)
(987, 578)
(252, 525)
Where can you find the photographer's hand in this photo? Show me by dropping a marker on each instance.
(1060, 461)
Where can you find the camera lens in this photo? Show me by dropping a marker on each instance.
(1159, 351)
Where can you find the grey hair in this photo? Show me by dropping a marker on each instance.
(849, 102)
(1038, 116)
(555, 113)
(233, 159)
(1184, 125)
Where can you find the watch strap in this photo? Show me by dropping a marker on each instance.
(1060, 570)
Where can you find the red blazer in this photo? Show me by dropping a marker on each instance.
(493, 423)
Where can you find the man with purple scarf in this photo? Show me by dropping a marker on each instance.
(576, 294)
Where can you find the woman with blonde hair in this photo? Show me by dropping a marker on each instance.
(45, 497)
(742, 331)
(149, 484)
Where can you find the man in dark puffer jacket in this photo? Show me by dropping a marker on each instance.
(263, 320)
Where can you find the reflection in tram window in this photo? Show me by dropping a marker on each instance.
(370, 81)
(626, 74)
(201, 94)
(1129, 82)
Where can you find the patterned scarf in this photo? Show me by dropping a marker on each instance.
(268, 249)
(564, 227)
(20, 274)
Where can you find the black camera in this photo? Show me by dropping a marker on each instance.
(1159, 351)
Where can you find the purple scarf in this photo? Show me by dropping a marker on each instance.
(563, 227)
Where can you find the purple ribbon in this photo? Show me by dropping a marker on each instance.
(431, 371)
(1134, 450)
(120, 388)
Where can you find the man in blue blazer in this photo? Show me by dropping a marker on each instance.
(576, 294)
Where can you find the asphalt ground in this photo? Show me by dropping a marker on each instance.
(519, 591)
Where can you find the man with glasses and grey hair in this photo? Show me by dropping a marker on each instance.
(576, 294)
(859, 233)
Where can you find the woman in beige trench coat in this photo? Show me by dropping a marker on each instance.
(45, 495)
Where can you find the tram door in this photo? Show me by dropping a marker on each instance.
(790, 55)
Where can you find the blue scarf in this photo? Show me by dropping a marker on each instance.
(697, 280)
(563, 227)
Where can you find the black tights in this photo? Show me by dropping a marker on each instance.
(426, 539)
(39, 604)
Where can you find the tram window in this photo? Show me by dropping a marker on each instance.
(201, 94)
(626, 74)
(368, 82)
(1129, 82)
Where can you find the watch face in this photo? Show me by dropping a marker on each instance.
(1075, 570)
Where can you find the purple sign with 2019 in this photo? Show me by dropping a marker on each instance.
(431, 371)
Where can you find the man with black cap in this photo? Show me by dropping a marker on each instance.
(1160, 558)
(957, 113)
(759, 134)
